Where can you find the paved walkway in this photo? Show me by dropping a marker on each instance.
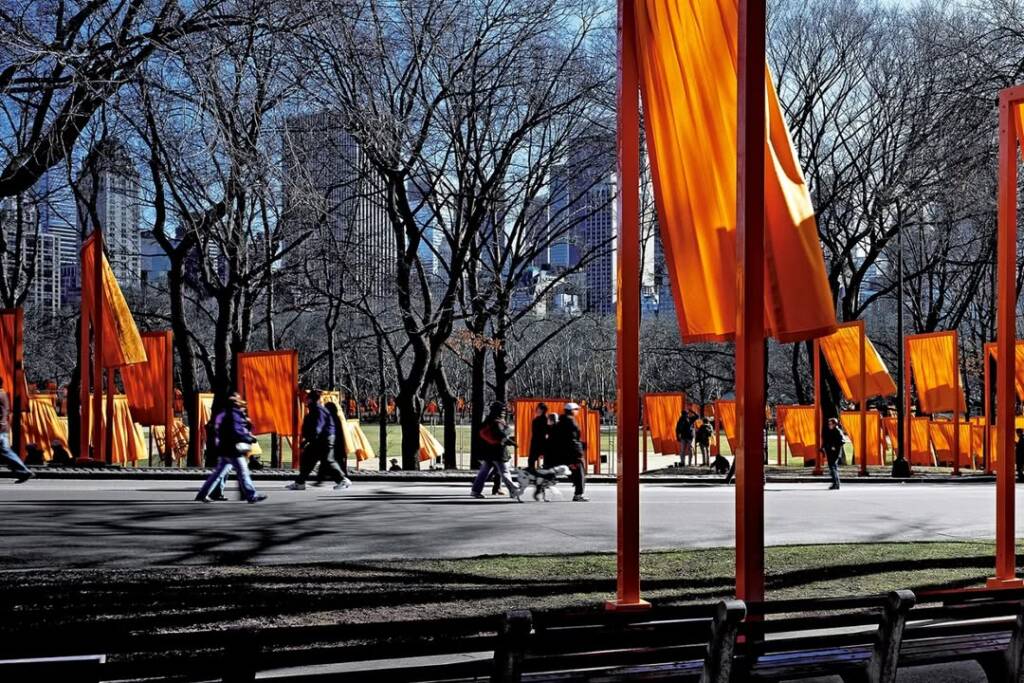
(141, 523)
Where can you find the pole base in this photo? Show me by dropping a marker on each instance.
(865, 473)
(617, 606)
(1015, 582)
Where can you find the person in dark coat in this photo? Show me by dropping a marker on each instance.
(1019, 453)
(317, 442)
(538, 437)
(569, 450)
(495, 439)
(233, 439)
(684, 435)
(339, 457)
(832, 446)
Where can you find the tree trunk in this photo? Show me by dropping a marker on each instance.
(183, 346)
(409, 408)
(382, 406)
(448, 415)
(477, 399)
(798, 385)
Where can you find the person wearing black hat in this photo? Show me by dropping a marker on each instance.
(570, 450)
(538, 436)
(495, 438)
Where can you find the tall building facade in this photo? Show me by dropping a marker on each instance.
(109, 182)
(32, 262)
(332, 198)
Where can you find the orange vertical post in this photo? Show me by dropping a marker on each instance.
(905, 446)
(818, 456)
(643, 440)
(778, 435)
(84, 372)
(296, 415)
(19, 402)
(98, 434)
(627, 347)
(1006, 333)
(863, 399)
(987, 411)
(169, 370)
(956, 404)
(750, 332)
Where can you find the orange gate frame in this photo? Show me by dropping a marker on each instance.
(17, 391)
(957, 392)
(295, 419)
(990, 353)
(863, 390)
(1011, 121)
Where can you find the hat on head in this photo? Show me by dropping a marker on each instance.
(572, 406)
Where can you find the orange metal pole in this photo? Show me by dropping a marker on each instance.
(296, 441)
(169, 370)
(643, 440)
(627, 348)
(818, 455)
(98, 440)
(907, 445)
(750, 332)
(863, 399)
(986, 461)
(83, 384)
(956, 405)
(19, 399)
(1006, 301)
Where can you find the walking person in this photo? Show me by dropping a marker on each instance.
(495, 439)
(703, 439)
(538, 436)
(1019, 453)
(232, 439)
(832, 445)
(684, 435)
(336, 463)
(570, 450)
(9, 457)
(317, 442)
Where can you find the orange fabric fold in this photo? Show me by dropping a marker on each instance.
(179, 443)
(42, 427)
(661, 412)
(725, 416)
(941, 434)
(148, 384)
(851, 424)
(892, 431)
(932, 360)
(798, 428)
(992, 349)
(591, 428)
(687, 57)
(842, 353)
(268, 380)
(122, 344)
(430, 447)
(128, 443)
(920, 448)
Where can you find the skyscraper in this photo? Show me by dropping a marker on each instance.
(32, 259)
(109, 183)
(334, 200)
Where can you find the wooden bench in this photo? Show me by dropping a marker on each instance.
(986, 626)
(786, 639)
(81, 669)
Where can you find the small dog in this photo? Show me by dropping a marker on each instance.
(541, 480)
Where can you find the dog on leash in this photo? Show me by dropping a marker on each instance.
(542, 481)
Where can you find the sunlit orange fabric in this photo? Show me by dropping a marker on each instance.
(356, 443)
(661, 412)
(920, 450)
(41, 426)
(725, 414)
(688, 76)
(122, 344)
(179, 444)
(978, 438)
(430, 447)
(129, 443)
(798, 428)
(592, 435)
(1018, 364)
(892, 429)
(147, 384)
(524, 414)
(941, 433)
(842, 352)
(8, 321)
(268, 380)
(851, 424)
(931, 361)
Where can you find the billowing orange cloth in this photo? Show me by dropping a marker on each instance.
(932, 359)
(920, 450)
(1018, 364)
(268, 380)
(941, 433)
(524, 414)
(356, 443)
(978, 438)
(687, 57)
(10, 337)
(851, 423)
(725, 416)
(892, 429)
(798, 428)
(129, 444)
(42, 427)
(179, 445)
(842, 352)
(148, 384)
(122, 344)
(430, 447)
(661, 412)
(591, 428)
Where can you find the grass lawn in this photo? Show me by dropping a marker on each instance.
(185, 597)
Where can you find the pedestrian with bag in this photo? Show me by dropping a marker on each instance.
(495, 439)
(232, 439)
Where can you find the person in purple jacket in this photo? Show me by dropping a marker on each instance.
(318, 434)
(233, 440)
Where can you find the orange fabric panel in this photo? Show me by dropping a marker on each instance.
(268, 380)
(122, 344)
(356, 443)
(725, 415)
(42, 427)
(179, 444)
(941, 434)
(920, 450)
(851, 424)
(842, 353)
(687, 57)
(129, 444)
(524, 410)
(9, 336)
(1018, 364)
(148, 384)
(661, 412)
(430, 447)
(892, 429)
(932, 358)
(798, 428)
(592, 435)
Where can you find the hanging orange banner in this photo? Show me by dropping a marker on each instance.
(842, 353)
(42, 427)
(122, 344)
(269, 382)
(661, 412)
(933, 364)
(725, 415)
(990, 349)
(941, 434)
(687, 56)
(128, 445)
(851, 424)
(149, 385)
(920, 442)
(798, 428)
